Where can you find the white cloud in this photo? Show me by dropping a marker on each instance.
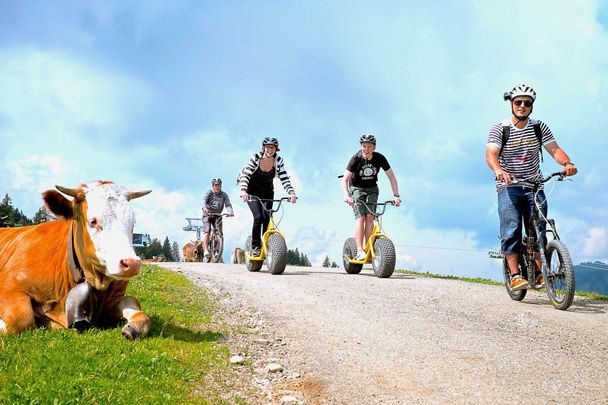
(596, 243)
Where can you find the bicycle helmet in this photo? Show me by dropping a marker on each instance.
(521, 90)
(270, 141)
(368, 138)
(216, 181)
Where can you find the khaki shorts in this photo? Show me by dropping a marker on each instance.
(369, 195)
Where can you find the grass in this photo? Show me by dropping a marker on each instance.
(592, 295)
(182, 361)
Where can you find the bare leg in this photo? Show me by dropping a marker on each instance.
(359, 222)
(513, 261)
(369, 226)
(206, 242)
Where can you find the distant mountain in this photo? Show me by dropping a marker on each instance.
(591, 277)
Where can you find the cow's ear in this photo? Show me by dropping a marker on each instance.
(57, 204)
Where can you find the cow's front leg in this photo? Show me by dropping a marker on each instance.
(138, 323)
(16, 313)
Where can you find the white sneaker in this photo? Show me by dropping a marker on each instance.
(360, 255)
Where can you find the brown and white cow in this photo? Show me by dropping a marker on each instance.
(193, 251)
(89, 245)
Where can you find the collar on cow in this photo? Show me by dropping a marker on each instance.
(73, 263)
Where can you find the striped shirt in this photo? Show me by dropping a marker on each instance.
(521, 155)
(254, 163)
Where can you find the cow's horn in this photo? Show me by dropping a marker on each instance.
(136, 194)
(72, 192)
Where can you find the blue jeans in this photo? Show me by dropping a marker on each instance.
(514, 209)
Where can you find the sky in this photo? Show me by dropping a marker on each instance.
(168, 95)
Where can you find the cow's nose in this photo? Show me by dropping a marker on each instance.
(130, 267)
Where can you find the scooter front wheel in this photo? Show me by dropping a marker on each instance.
(384, 260)
(348, 252)
(252, 265)
(276, 258)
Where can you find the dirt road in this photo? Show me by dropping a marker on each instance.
(360, 339)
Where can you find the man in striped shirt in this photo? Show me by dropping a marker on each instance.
(520, 157)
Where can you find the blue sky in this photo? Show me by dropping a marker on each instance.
(168, 95)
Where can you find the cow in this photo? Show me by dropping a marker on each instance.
(74, 271)
(193, 251)
(238, 256)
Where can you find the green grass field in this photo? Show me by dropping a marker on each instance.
(182, 361)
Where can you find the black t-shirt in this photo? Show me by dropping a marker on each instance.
(365, 172)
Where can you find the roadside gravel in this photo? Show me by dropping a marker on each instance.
(335, 338)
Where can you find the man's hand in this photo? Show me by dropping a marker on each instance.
(205, 211)
(245, 197)
(349, 201)
(503, 176)
(397, 201)
(570, 169)
(293, 198)
(231, 214)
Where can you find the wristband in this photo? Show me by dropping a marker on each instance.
(396, 195)
(568, 163)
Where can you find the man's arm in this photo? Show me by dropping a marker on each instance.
(561, 157)
(492, 151)
(345, 185)
(228, 205)
(394, 187)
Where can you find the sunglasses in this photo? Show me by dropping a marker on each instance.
(526, 103)
(216, 181)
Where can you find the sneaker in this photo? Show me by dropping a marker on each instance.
(360, 255)
(518, 283)
(255, 252)
(540, 281)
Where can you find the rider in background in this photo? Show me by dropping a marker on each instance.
(256, 179)
(361, 184)
(214, 202)
(520, 157)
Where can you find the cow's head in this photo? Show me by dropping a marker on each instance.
(103, 228)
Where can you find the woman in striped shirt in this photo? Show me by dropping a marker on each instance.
(256, 179)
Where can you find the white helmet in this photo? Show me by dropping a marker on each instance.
(521, 90)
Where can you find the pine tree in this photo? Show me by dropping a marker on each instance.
(326, 262)
(334, 265)
(175, 252)
(41, 216)
(6, 211)
(167, 250)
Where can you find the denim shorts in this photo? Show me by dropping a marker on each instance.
(514, 209)
(369, 195)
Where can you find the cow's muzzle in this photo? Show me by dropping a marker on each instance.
(129, 267)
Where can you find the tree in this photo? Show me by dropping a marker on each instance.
(167, 252)
(334, 265)
(41, 216)
(295, 258)
(6, 211)
(175, 252)
(326, 262)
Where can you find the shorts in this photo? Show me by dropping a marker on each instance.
(369, 195)
(212, 220)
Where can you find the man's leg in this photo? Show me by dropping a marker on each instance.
(205, 242)
(510, 214)
(359, 230)
(369, 226)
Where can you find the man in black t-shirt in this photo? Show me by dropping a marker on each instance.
(361, 184)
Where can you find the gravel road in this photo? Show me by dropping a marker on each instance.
(343, 338)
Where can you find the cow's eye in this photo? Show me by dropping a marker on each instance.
(93, 222)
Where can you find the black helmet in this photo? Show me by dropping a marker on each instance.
(216, 181)
(270, 141)
(367, 138)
